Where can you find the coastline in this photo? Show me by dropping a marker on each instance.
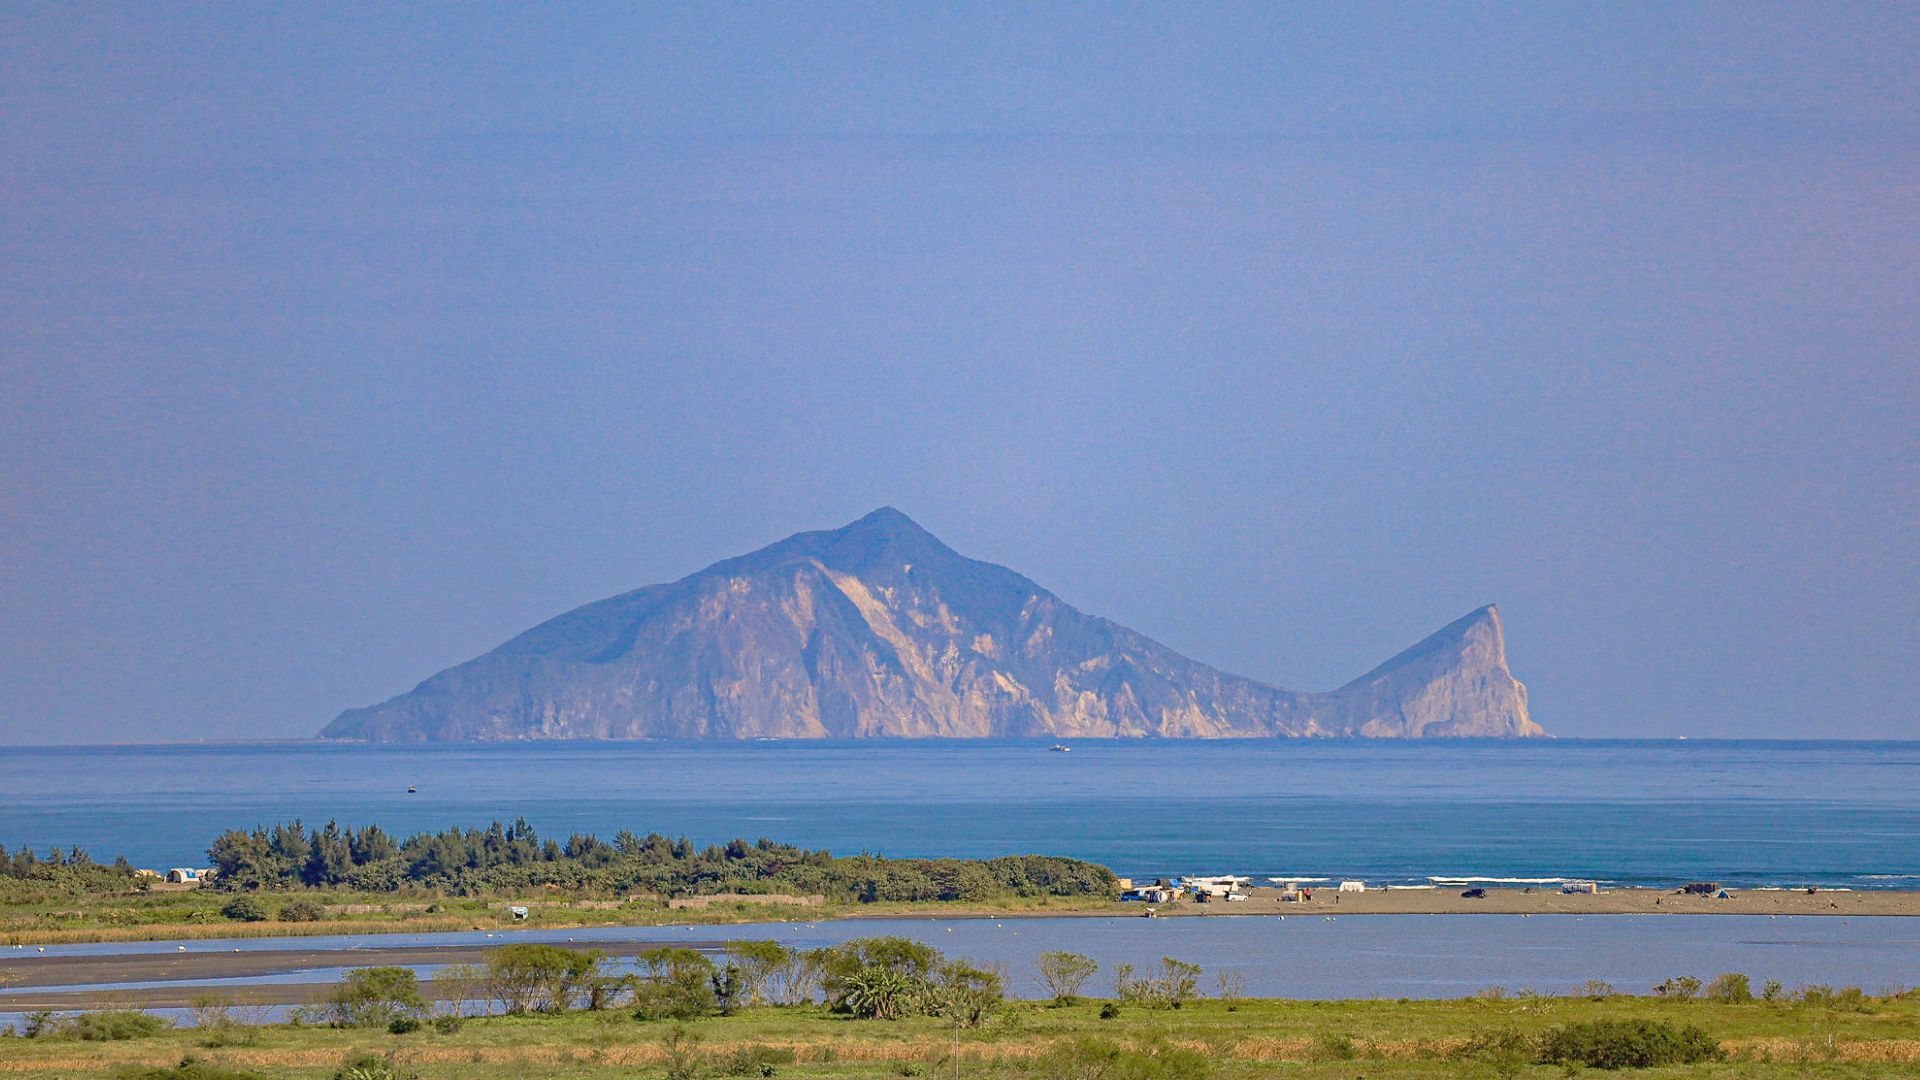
(1264, 902)
(1550, 901)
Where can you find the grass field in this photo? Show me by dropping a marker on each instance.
(1371, 1039)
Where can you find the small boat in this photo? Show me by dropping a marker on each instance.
(1060, 748)
(411, 790)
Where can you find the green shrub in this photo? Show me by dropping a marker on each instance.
(682, 1050)
(403, 1025)
(113, 1026)
(531, 977)
(244, 908)
(1684, 988)
(675, 984)
(1064, 973)
(371, 1067)
(1730, 989)
(964, 994)
(188, 1069)
(375, 997)
(302, 910)
(1627, 1044)
(1110, 1010)
(1497, 1045)
(1168, 986)
(449, 1023)
(877, 993)
(1114, 1061)
(39, 1023)
(755, 1061)
(1333, 1046)
(1822, 996)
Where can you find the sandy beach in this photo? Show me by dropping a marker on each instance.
(1548, 900)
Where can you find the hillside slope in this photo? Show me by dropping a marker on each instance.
(878, 629)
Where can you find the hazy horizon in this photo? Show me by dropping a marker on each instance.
(339, 347)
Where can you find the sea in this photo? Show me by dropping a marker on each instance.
(1745, 814)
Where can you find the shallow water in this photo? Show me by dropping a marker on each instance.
(1314, 957)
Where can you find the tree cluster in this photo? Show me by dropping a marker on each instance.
(502, 858)
(72, 870)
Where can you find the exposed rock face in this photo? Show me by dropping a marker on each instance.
(880, 630)
(1453, 684)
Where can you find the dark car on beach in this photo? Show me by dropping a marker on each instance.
(1475, 894)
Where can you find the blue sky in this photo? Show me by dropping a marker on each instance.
(337, 347)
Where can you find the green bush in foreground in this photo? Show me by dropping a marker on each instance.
(302, 911)
(112, 1026)
(188, 1069)
(1110, 1060)
(370, 1067)
(375, 997)
(675, 984)
(532, 977)
(1627, 1044)
(244, 909)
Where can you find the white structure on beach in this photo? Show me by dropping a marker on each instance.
(1353, 886)
(1222, 885)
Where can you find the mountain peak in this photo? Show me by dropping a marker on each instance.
(887, 521)
(876, 628)
(1455, 681)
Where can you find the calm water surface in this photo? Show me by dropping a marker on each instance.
(1748, 813)
(1431, 956)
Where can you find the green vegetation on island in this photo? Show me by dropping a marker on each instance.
(500, 858)
(289, 879)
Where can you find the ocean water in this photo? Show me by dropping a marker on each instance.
(1836, 814)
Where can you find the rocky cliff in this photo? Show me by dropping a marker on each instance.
(878, 629)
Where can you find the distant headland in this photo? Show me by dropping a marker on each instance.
(879, 630)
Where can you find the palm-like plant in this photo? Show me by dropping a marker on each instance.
(877, 993)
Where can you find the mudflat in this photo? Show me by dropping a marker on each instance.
(30, 969)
